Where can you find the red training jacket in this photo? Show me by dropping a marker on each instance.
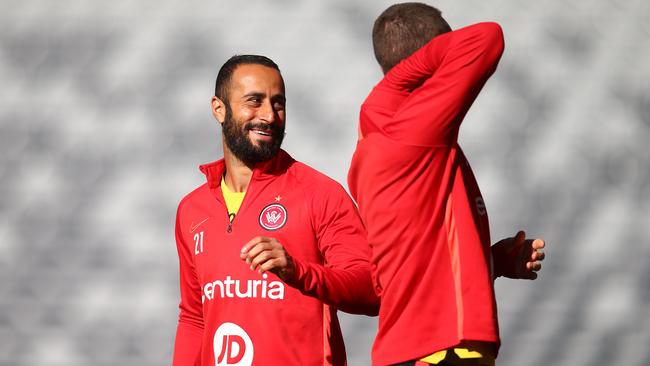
(426, 220)
(230, 315)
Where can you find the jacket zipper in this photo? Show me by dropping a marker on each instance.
(232, 218)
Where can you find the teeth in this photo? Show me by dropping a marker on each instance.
(262, 133)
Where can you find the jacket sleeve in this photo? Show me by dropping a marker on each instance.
(189, 333)
(344, 280)
(442, 80)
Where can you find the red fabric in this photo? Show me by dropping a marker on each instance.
(418, 198)
(323, 234)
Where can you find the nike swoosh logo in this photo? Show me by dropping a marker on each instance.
(193, 227)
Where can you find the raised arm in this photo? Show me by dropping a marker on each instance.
(187, 346)
(442, 80)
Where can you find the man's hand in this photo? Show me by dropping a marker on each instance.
(518, 257)
(267, 254)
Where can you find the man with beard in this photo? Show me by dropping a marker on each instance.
(259, 235)
(426, 220)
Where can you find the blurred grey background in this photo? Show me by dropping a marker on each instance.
(104, 111)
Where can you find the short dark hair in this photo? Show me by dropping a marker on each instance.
(222, 85)
(404, 28)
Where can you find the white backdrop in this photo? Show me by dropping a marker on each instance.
(104, 117)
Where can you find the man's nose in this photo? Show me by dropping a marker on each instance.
(266, 112)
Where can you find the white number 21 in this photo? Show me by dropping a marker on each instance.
(198, 243)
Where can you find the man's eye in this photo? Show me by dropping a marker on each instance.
(279, 106)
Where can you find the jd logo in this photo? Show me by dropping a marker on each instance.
(232, 346)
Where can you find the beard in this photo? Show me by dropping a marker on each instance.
(238, 142)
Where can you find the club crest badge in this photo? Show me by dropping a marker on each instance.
(273, 217)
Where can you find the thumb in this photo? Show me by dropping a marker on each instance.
(517, 242)
(520, 237)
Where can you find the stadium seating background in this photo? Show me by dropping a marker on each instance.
(104, 117)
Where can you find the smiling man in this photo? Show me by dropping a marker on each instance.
(259, 235)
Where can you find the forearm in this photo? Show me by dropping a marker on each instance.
(348, 289)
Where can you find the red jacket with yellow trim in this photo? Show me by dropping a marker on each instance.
(232, 315)
(426, 220)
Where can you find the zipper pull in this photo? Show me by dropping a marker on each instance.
(232, 218)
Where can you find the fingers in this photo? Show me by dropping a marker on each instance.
(254, 247)
(534, 266)
(531, 271)
(252, 243)
(538, 255)
(271, 264)
(263, 254)
(537, 250)
(262, 258)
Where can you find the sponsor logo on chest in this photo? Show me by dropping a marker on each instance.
(232, 346)
(243, 289)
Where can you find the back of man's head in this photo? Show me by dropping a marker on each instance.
(404, 28)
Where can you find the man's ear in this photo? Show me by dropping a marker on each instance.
(218, 109)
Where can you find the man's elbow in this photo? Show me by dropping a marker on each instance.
(493, 40)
